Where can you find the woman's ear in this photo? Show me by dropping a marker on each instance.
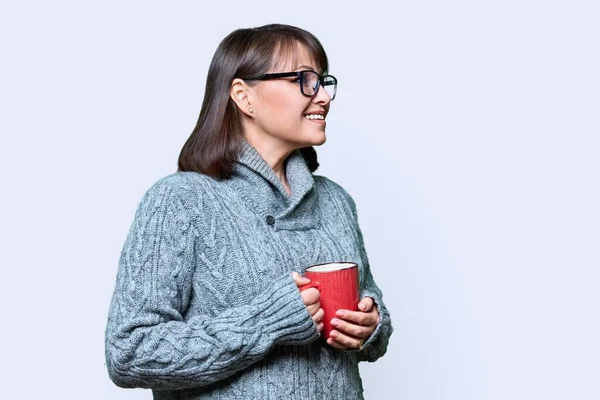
(240, 94)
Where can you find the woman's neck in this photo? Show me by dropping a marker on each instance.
(274, 154)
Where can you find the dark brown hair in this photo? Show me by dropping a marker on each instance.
(214, 145)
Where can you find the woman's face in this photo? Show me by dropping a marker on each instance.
(280, 109)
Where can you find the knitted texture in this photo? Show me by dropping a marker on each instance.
(205, 306)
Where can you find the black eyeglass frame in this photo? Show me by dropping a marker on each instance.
(300, 74)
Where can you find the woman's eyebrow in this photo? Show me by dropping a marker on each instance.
(304, 67)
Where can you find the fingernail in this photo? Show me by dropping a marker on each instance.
(335, 322)
(340, 313)
(363, 307)
(333, 334)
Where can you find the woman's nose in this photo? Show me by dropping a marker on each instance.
(322, 97)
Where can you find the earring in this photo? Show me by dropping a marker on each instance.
(251, 110)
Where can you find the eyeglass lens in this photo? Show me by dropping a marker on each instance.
(310, 84)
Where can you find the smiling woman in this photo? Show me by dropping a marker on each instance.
(209, 301)
(284, 109)
(237, 75)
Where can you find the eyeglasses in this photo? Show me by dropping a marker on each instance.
(310, 81)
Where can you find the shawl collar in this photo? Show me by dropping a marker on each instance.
(264, 193)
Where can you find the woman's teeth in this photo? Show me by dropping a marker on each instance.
(315, 116)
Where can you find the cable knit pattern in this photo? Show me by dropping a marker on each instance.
(205, 306)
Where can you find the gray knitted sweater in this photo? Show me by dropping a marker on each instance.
(205, 306)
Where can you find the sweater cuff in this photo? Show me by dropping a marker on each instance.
(285, 316)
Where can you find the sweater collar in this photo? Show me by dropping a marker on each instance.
(264, 193)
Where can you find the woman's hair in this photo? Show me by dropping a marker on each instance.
(215, 143)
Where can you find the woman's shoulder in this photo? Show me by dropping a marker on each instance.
(186, 186)
(327, 185)
(185, 180)
(324, 183)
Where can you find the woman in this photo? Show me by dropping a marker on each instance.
(207, 303)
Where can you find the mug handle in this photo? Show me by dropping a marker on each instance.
(312, 284)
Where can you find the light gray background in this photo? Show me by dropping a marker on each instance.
(466, 131)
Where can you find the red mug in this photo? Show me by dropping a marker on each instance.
(338, 284)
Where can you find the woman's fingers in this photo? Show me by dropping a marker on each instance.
(357, 331)
(366, 304)
(299, 280)
(358, 317)
(313, 309)
(333, 343)
(342, 341)
(319, 327)
(353, 328)
(318, 316)
(310, 296)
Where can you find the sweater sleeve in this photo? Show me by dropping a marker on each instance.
(376, 345)
(149, 344)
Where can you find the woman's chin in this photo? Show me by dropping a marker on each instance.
(317, 140)
(308, 140)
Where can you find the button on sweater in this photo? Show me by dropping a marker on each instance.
(205, 306)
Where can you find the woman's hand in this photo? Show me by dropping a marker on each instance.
(310, 298)
(353, 328)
